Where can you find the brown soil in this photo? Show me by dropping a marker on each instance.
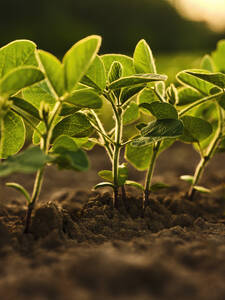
(80, 248)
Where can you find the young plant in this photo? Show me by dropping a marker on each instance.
(204, 97)
(159, 134)
(18, 69)
(119, 78)
(55, 102)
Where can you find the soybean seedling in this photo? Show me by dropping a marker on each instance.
(119, 78)
(55, 102)
(157, 135)
(204, 96)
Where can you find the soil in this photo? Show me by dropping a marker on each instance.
(80, 248)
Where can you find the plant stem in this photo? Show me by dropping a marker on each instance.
(45, 144)
(150, 171)
(201, 101)
(117, 148)
(103, 138)
(209, 153)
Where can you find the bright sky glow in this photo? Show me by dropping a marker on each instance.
(210, 11)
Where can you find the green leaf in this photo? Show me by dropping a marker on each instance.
(161, 110)
(76, 125)
(26, 107)
(19, 188)
(221, 101)
(85, 98)
(202, 86)
(131, 114)
(126, 62)
(201, 189)
(147, 95)
(138, 157)
(135, 80)
(96, 75)
(122, 174)
(36, 137)
(187, 178)
(12, 134)
(218, 56)
(172, 94)
(207, 64)
(78, 60)
(102, 185)
(115, 71)
(16, 54)
(217, 79)
(68, 155)
(18, 79)
(68, 109)
(28, 161)
(195, 129)
(128, 93)
(158, 186)
(188, 95)
(65, 142)
(134, 184)
(164, 128)
(143, 58)
(106, 174)
(38, 93)
(53, 70)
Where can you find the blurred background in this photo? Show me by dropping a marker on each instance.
(178, 31)
(186, 28)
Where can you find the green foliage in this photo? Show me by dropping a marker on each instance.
(76, 125)
(161, 110)
(143, 58)
(195, 129)
(218, 56)
(53, 70)
(96, 75)
(12, 134)
(28, 161)
(131, 114)
(78, 59)
(135, 79)
(84, 98)
(19, 53)
(159, 130)
(68, 155)
(122, 175)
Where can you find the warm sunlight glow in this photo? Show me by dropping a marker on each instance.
(210, 11)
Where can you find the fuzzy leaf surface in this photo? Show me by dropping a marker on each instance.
(136, 79)
(131, 114)
(202, 86)
(195, 129)
(161, 110)
(28, 161)
(85, 98)
(18, 79)
(39, 92)
(16, 54)
(96, 75)
(217, 79)
(126, 62)
(78, 59)
(53, 70)
(143, 58)
(12, 134)
(76, 125)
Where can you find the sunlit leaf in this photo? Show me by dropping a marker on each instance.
(78, 59)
